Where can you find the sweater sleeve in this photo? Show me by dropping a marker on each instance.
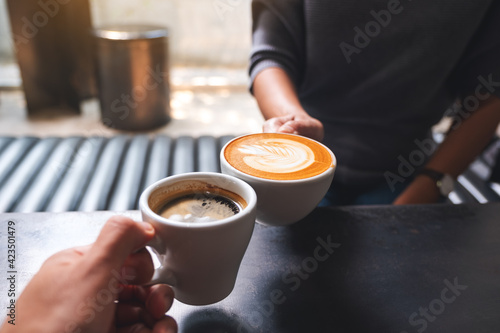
(278, 38)
(478, 72)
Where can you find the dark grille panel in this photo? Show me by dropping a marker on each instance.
(48, 177)
(24, 173)
(103, 176)
(184, 155)
(128, 184)
(70, 191)
(95, 173)
(12, 154)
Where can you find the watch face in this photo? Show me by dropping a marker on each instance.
(446, 184)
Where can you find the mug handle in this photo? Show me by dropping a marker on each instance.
(161, 274)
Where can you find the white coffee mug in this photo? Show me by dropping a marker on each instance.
(283, 202)
(199, 260)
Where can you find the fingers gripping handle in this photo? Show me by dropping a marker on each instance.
(162, 274)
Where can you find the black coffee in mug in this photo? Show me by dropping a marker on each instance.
(200, 207)
(199, 204)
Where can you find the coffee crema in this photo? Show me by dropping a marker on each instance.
(196, 201)
(278, 156)
(200, 207)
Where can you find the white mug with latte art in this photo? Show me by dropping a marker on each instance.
(289, 173)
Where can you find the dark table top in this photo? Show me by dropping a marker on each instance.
(432, 268)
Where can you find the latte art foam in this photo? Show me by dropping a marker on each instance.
(278, 156)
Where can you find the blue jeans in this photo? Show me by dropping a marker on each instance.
(341, 195)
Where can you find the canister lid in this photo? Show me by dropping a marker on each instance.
(130, 32)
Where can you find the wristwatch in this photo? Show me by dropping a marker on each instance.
(444, 181)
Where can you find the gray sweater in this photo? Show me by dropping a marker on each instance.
(380, 73)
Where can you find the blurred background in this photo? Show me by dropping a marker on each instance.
(203, 32)
(209, 43)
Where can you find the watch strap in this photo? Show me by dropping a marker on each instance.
(443, 182)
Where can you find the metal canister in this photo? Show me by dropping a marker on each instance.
(53, 48)
(133, 76)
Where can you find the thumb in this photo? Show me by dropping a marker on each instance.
(310, 129)
(119, 237)
(272, 125)
(291, 127)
